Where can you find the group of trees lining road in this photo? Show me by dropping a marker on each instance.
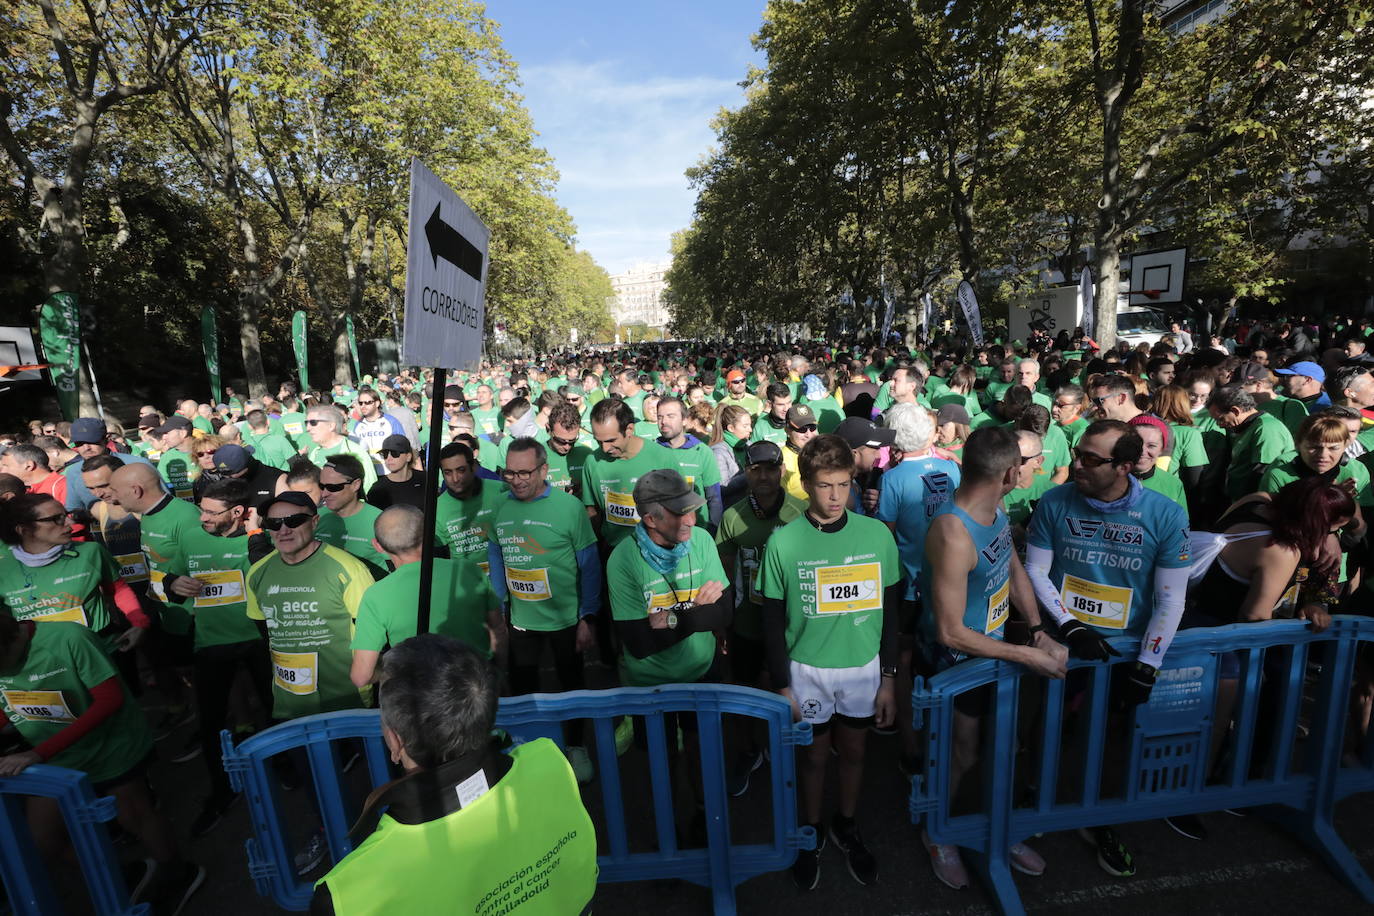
(892, 147)
(254, 155)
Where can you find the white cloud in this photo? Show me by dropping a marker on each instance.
(621, 146)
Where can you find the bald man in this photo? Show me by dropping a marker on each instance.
(462, 603)
(165, 525)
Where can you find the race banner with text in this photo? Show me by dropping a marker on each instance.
(59, 326)
(968, 301)
(209, 342)
(298, 346)
(353, 349)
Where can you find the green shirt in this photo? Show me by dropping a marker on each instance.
(70, 588)
(565, 471)
(463, 524)
(221, 563)
(318, 454)
(460, 599)
(1166, 483)
(292, 425)
(608, 486)
(697, 464)
(636, 590)
(539, 541)
(828, 414)
(1255, 445)
(1281, 473)
(832, 584)
(353, 533)
(1291, 412)
(272, 449)
(749, 402)
(310, 609)
(1074, 431)
(179, 471)
(764, 431)
(1020, 502)
(1188, 451)
(1056, 449)
(51, 687)
(488, 421)
(162, 534)
(742, 536)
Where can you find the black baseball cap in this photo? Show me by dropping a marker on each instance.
(172, 423)
(290, 497)
(396, 443)
(762, 452)
(858, 432)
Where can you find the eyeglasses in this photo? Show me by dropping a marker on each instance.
(53, 519)
(1091, 460)
(205, 511)
(362, 403)
(559, 440)
(208, 453)
(315, 422)
(453, 403)
(508, 474)
(1027, 458)
(336, 487)
(808, 428)
(388, 453)
(290, 521)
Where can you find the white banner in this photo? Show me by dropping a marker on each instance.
(1085, 301)
(968, 301)
(928, 318)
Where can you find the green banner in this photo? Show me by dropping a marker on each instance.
(59, 327)
(353, 349)
(298, 345)
(209, 342)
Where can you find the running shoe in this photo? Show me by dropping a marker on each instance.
(1112, 855)
(946, 862)
(863, 867)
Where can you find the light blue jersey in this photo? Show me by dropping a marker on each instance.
(912, 492)
(1104, 562)
(988, 600)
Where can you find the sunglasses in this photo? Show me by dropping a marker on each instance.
(388, 453)
(1091, 460)
(452, 403)
(368, 403)
(559, 440)
(336, 487)
(206, 453)
(808, 428)
(290, 521)
(315, 422)
(1026, 458)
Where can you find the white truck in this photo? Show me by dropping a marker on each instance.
(1054, 310)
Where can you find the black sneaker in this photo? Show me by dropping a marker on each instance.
(1112, 855)
(863, 868)
(1189, 825)
(211, 814)
(176, 887)
(310, 855)
(806, 871)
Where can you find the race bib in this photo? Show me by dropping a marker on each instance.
(155, 578)
(668, 599)
(999, 607)
(528, 584)
(220, 586)
(1106, 606)
(133, 567)
(294, 672)
(620, 509)
(848, 589)
(39, 705)
(70, 615)
(293, 428)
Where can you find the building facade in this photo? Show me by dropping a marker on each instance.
(639, 296)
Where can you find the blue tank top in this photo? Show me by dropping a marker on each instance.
(988, 600)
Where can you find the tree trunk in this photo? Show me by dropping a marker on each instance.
(1108, 279)
(250, 300)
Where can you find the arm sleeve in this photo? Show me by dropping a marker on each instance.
(588, 581)
(892, 608)
(775, 641)
(1038, 561)
(127, 602)
(713, 506)
(642, 640)
(106, 699)
(496, 568)
(1171, 586)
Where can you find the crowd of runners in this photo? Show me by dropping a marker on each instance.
(817, 520)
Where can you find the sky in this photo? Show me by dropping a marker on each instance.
(622, 94)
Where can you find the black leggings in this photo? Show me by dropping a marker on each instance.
(526, 648)
(216, 667)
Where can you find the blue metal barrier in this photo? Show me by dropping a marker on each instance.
(721, 866)
(1266, 762)
(26, 875)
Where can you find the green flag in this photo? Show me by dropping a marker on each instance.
(353, 348)
(59, 327)
(209, 342)
(298, 344)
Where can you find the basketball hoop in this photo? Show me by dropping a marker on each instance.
(1148, 293)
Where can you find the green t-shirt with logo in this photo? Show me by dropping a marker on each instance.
(565, 471)
(697, 464)
(832, 584)
(69, 589)
(764, 431)
(51, 688)
(179, 471)
(1188, 450)
(487, 421)
(272, 449)
(1074, 431)
(1020, 502)
(743, 534)
(292, 425)
(464, 524)
(221, 564)
(310, 609)
(353, 533)
(318, 454)
(608, 485)
(162, 534)
(460, 598)
(539, 541)
(636, 590)
(1166, 484)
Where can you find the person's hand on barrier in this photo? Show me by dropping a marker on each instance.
(1317, 616)
(786, 692)
(1047, 643)
(14, 764)
(884, 704)
(1045, 664)
(1086, 643)
(586, 638)
(709, 593)
(1136, 688)
(130, 638)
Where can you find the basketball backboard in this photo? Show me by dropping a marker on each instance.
(1157, 276)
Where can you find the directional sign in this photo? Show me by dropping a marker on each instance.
(446, 273)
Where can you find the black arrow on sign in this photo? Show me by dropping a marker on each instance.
(448, 243)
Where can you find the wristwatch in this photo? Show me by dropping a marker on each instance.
(888, 672)
(672, 620)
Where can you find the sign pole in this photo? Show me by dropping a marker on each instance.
(436, 437)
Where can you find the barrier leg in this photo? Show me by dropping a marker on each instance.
(994, 868)
(26, 875)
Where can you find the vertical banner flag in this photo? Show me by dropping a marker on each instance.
(887, 316)
(298, 345)
(928, 315)
(59, 327)
(209, 342)
(1085, 302)
(968, 301)
(353, 348)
